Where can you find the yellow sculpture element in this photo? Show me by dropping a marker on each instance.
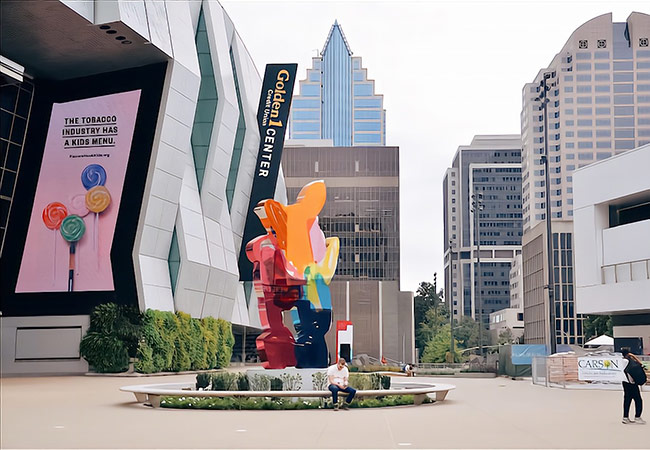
(323, 270)
(292, 224)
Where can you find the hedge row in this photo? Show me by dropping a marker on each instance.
(159, 340)
(225, 381)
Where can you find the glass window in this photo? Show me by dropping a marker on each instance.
(603, 122)
(367, 103)
(310, 90)
(623, 76)
(569, 145)
(603, 111)
(624, 145)
(582, 56)
(643, 110)
(584, 133)
(306, 126)
(603, 99)
(358, 75)
(643, 75)
(584, 88)
(643, 121)
(584, 100)
(603, 133)
(623, 99)
(624, 133)
(624, 121)
(584, 111)
(367, 114)
(586, 77)
(569, 123)
(602, 88)
(314, 75)
(643, 98)
(623, 65)
(601, 66)
(624, 110)
(568, 88)
(643, 87)
(305, 136)
(361, 90)
(601, 55)
(568, 134)
(304, 103)
(582, 67)
(367, 126)
(299, 114)
(601, 77)
(584, 122)
(367, 138)
(585, 145)
(643, 53)
(643, 65)
(623, 88)
(568, 100)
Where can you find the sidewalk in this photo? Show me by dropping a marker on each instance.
(90, 412)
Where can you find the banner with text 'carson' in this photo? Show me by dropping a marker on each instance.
(272, 118)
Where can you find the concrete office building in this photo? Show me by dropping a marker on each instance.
(513, 317)
(337, 101)
(362, 209)
(612, 244)
(188, 177)
(490, 165)
(599, 106)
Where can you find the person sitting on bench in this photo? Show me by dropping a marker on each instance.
(337, 376)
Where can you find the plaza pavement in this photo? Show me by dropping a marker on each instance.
(90, 412)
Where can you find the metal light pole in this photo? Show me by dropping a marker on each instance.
(477, 207)
(543, 97)
(450, 294)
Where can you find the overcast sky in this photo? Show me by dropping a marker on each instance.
(448, 70)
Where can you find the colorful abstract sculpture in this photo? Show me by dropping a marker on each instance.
(293, 266)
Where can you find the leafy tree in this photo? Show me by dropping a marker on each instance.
(466, 331)
(426, 300)
(433, 321)
(437, 349)
(506, 337)
(596, 325)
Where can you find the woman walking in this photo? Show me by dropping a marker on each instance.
(631, 389)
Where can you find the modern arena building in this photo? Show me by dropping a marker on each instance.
(149, 108)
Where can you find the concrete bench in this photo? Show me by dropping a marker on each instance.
(152, 393)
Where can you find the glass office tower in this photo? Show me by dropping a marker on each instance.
(337, 101)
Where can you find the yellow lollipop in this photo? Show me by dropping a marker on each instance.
(98, 199)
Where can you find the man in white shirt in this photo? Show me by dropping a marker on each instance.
(337, 376)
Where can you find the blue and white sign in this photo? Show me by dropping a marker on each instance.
(602, 368)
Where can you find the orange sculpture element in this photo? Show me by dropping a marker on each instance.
(293, 265)
(292, 224)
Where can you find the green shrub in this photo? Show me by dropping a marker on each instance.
(159, 340)
(276, 384)
(112, 337)
(319, 381)
(277, 403)
(365, 381)
(224, 381)
(260, 382)
(385, 382)
(203, 380)
(242, 382)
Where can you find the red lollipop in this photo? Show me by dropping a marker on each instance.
(53, 215)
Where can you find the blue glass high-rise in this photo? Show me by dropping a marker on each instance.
(337, 101)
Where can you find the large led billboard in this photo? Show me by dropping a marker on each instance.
(78, 195)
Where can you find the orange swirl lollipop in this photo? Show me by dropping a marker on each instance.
(53, 215)
(98, 199)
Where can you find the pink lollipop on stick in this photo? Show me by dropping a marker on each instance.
(53, 215)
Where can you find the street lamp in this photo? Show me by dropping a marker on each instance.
(543, 98)
(477, 207)
(450, 294)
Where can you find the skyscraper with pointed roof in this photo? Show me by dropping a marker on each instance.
(337, 101)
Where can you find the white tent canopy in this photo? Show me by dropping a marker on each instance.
(601, 340)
